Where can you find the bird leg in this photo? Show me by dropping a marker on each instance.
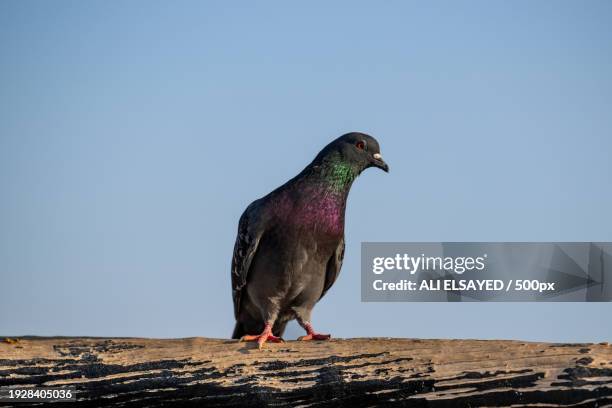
(263, 337)
(311, 334)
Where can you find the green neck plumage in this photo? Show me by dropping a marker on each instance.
(338, 175)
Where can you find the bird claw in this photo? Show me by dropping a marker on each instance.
(315, 336)
(261, 339)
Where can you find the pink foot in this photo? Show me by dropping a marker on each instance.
(266, 335)
(315, 336)
(312, 335)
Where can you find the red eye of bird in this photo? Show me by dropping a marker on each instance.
(360, 145)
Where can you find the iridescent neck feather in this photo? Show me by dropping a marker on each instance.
(317, 198)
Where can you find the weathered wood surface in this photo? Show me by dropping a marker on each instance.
(354, 372)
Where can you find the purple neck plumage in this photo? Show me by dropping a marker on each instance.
(316, 198)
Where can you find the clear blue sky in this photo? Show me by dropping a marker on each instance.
(133, 134)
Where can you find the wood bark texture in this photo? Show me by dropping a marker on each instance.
(131, 372)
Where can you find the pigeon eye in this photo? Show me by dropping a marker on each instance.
(360, 145)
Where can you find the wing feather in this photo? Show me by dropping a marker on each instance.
(333, 267)
(245, 248)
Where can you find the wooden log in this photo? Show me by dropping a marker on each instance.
(133, 372)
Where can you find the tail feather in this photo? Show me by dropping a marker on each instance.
(238, 331)
(279, 328)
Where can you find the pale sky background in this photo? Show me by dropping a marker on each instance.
(133, 134)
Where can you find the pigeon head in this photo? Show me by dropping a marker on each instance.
(356, 150)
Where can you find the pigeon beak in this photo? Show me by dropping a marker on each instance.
(377, 161)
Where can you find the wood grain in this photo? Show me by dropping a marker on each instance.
(132, 372)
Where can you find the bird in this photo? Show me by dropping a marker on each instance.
(290, 243)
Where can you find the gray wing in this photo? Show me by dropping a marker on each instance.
(333, 267)
(249, 234)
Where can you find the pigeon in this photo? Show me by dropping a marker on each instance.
(290, 243)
